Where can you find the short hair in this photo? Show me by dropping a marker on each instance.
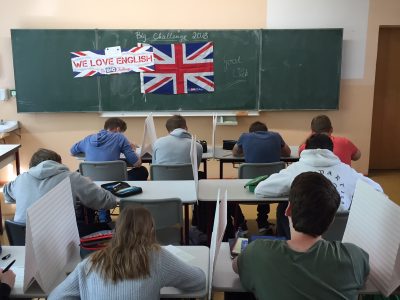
(176, 121)
(319, 141)
(114, 123)
(258, 126)
(42, 155)
(321, 124)
(314, 201)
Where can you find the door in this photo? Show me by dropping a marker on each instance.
(385, 134)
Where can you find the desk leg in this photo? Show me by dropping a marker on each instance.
(17, 164)
(221, 169)
(186, 212)
(205, 168)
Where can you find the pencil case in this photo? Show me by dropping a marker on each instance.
(121, 189)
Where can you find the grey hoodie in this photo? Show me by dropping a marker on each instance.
(175, 148)
(30, 186)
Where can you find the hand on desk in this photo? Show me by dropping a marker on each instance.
(7, 277)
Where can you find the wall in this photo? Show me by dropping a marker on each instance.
(60, 131)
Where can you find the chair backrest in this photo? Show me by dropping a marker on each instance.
(104, 170)
(171, 172)
(15, 233)
(252, 170)
(336, 229)
(167, 215)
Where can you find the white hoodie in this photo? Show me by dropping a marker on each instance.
(317, 160)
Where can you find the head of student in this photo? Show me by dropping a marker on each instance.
(42, 155)
(115, 124)
(321, 124)
(258, 126)
(127, 255)
(319, 141)
(176, 121)
(313, 202)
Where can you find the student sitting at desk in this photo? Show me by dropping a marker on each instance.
(306, 267)
(108, 144)
(318, 157)
(133, 266)
(260, 146)
(342, 147)
(45, 172)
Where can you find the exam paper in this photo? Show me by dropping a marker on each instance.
(149, 136)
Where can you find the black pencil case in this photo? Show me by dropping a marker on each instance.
(121, 189)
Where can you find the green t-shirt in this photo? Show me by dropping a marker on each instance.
(328, 270)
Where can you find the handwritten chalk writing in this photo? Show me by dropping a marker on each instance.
(240, 72)
(200, 35)
(231, 61)
(141, 36)
(170, 36)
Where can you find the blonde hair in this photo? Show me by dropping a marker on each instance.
(127, 255)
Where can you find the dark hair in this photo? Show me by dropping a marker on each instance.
(42, 155)
(314, 201)
(321, 124)
(258, 126)
(176, 121)
(114, 123)
(319, 141)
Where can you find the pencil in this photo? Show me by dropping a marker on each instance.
(9, 266)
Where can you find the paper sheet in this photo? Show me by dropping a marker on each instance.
(179, 253)
(149, 136)
(195, 168)
(213, 246)
(52, 239)
(373, 225)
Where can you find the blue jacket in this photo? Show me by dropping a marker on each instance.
(105, 146)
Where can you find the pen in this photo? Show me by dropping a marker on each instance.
(6, 257)
(9, 266)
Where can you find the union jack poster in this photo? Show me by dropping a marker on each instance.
(98, 62)
(180, 69)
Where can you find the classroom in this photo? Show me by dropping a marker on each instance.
(58, 131)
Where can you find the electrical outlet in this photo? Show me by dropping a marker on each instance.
(13, 93)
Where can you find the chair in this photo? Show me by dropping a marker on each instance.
(15, 233)
(104, 170)
(171, 172)
(336, 229)
(167, 215)
(252, 170)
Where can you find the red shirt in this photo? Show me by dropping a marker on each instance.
(342, 148)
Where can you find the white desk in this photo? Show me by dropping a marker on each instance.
(183, 189)
(200, 259)
(226, 280)
(208, 190)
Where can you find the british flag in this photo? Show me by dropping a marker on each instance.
(180, 69)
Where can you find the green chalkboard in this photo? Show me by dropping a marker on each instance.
(236, 65)
(300, 68)
(44, 80)
(253, 69)
(43, 73)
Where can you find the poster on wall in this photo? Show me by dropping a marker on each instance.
(112, 60)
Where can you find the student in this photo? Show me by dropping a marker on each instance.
(108, 144)
(175, 147)
(305, 267)
(133, 266)
(45, 172)
(342, 147)
(7, 281)
(318, 157)
(261, 146)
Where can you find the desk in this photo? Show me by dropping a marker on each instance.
(208, 190)
(226, 156)
(183, 189)
(226, 280)
(200, 254)
(8, 153)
